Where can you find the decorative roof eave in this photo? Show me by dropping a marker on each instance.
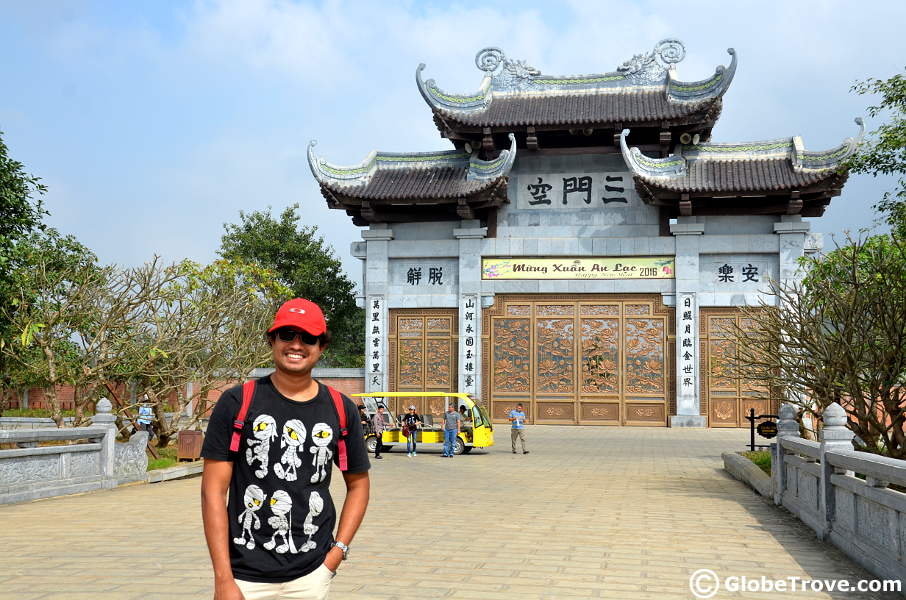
(648, 167)
(366, 211)
(643, 73)
(706, 89)
(353, 181)
(673, 172)
(828, 159)
(437, 99)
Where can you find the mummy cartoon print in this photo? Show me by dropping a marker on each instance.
(264, 431)
(253, 499)
(321, 435)
(281, 522)
(315, 506)
(292, 440)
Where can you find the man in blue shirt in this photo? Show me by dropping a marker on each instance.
(145, 415)
(517, 418)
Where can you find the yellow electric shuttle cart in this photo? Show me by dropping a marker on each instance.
(480, 435)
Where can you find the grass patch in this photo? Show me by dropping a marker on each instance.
(167, 458)
(762, 458)
(33, 412)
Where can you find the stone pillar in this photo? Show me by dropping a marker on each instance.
(793, 232)
(190, 401)
(688, 396)
(787, 427)
(376, 274)
(834, 436)
(469, 235)
(104, 418)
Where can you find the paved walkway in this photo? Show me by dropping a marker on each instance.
(589, 513)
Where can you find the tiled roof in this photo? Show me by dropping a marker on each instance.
(413, 176)
(642, 90)
(768, 166)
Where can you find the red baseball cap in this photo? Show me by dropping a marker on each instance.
(300, 313)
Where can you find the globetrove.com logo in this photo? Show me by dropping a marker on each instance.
(705, 583)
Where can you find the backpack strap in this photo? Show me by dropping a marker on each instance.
(248, 391)
(341, 412)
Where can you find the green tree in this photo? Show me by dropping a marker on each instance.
(884, 153)
(205, 325)
(52, 278)
(838, 336)
(303, 262)
(21, 212)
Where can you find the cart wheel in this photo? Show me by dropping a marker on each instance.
(371, 443)
(467, 449)
(458, 447)
(386, 447)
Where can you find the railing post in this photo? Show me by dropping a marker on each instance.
(787, 427)
(834, 436)
(104, 418)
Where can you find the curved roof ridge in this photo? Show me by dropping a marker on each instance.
(474, 168)
(772, 165)
(804, 160)
(493, 169)
(671, 166)
(326, 172)
(436, 97)
(712, 87)
(505, 77)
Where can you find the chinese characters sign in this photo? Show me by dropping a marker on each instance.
(374, 348)
(687, 351)
(468, 350)
(570, 190)
(424, 276)
(727, 274)
(648, 267)
(731, 272)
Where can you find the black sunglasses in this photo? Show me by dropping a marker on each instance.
(288, 335)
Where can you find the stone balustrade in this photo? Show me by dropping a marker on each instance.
(819, 483)
(89, 458)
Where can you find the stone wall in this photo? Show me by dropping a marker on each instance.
(92, 459)
(819, 483)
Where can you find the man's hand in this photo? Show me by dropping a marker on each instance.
(227, 590)
(333, 559)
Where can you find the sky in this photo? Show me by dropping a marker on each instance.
(155, 122)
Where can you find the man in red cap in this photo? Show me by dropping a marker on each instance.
(273, 538)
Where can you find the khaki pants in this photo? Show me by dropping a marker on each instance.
(313, 586)
(518, 433)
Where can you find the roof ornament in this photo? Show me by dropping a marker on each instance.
(505, 72)
(654, 65)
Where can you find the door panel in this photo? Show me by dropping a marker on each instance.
(423, 351)
(579, 359)
(728, 398)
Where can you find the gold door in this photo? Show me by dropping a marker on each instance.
(597, 360)
(728, 397)
(423, 351)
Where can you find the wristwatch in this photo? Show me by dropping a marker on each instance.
(342, 547)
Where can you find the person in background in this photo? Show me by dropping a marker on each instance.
(412, 423)
(466, 418)
(145, 417)
(452, 422)
(517, 418)
(366, 423)
(377, 424)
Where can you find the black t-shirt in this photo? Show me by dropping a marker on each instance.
(280, 511)
(411, 421)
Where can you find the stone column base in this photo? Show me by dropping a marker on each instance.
(688, 421)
